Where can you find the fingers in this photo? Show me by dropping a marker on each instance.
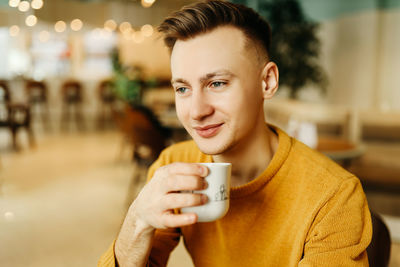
(185, 182)
(171, 220)
(188, 169)
(181, 200)
(182, 176)
(160, 196)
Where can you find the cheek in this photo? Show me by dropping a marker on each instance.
(246, 104)
(181, 111)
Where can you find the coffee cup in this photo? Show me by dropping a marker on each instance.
(217, 191)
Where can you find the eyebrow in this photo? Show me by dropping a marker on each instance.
(206, 77)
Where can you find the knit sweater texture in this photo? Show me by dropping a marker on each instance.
(303, 210)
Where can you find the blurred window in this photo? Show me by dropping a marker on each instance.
(50, 57)
(98, 45)
(15, 59)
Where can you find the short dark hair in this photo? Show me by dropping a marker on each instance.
(203, 17)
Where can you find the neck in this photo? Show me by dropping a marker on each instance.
(250, 159)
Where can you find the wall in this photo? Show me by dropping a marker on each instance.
(360, 40)
(360, 54)
(388, 85)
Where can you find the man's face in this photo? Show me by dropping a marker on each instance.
(218, 94)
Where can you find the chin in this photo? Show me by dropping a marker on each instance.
(211, 147)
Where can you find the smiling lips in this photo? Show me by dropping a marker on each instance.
(208, 130)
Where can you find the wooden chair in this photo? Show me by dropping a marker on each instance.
(107, 98)
(14, 116)
(146, 136)
(72, 104)
(37, 97)
(4, 106)
(379, 248)
(142, 129)
(20, 117)
(5, 97)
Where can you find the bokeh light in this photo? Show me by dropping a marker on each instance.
(13, 3)
(37, 4)
(125, 27)
(60, 26)
(31, 20)
(147, 30)
(76, 25)
(14, 30)
(24, 6)
(110, 25)
(44, 36)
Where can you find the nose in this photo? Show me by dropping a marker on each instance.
(201, 106)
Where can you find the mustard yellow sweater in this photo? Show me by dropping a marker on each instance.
(303, 210)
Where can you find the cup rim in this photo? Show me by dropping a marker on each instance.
(217, 163)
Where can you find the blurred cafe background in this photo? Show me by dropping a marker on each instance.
(86, 106)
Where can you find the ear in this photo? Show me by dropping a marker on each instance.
(270, 80)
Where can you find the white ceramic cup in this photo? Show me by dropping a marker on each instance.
(219, 184)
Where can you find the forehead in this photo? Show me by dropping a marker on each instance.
(222, 48)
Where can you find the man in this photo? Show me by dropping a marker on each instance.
(290, 206)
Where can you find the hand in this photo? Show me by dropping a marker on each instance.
(153, 208)
(155, 203)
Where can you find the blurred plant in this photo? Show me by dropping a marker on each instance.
(295, 47)
(128, 80)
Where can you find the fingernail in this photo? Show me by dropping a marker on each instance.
(204, 199)
(190, 218)
(203, 170)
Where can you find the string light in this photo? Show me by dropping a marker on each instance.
(37, 4)
(23, 6)
(44, 36)
(14, 30)
(76, 25)
(110, 25)
(13, 3)
(31, 20)
(60, 26)
(125, 27)
(147, 30)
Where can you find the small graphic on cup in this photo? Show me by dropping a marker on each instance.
(222, 194)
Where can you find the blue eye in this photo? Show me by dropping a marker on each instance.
(181, 90)
(217, 84)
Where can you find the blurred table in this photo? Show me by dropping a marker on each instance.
(339, 150)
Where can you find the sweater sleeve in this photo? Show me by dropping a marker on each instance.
(108, 258)
(341, 230)
(163, 243)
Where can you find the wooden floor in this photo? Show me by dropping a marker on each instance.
(62, 203)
